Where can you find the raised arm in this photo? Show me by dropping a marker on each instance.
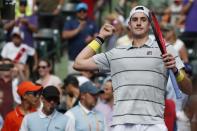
(85, 61)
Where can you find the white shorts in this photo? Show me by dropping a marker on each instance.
(140, 127)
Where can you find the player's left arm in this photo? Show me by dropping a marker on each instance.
(177, 67)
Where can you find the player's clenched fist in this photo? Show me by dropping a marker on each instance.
(106, 30)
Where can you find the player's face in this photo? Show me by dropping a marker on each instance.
(139, 25)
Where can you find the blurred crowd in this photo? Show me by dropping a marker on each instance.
(27, 80)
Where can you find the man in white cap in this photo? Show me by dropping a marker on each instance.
(138, 72)
(18, 52)
(12, 49)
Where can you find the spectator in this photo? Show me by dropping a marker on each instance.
(178, 44)
(125, 39)
(17, 76)
(105, 106)
(171, 14)
(46, 78)
(83, 116)
(29, 9)
(30, 94)
(6, 87)
(26, 23)
(78, 32)
(71, 89)
(18, 52)
(47, 119)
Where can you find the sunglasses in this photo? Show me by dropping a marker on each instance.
(82, 10)
(54, 99)
(34, 93)
(43, 67)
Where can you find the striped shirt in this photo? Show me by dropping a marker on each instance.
(139, 80)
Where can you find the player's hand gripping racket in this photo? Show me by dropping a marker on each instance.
(159, 38)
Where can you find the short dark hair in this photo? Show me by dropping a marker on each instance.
(70, 79)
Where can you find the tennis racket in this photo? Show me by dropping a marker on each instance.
(162, 45)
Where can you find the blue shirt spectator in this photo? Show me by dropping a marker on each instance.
(78, 32)
(78, 42)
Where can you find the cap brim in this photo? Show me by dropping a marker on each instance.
(81, 9)
(50, 96)
(99, 91)
(33, 89)
(36, 88)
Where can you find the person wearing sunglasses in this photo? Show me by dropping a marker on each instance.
(78, 31)
(48, 118)
(30, 95)
(46, 78)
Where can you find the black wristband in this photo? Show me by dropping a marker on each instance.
(99, 40)
(176, 72)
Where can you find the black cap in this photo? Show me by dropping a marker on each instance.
(88, 87)
(50, 91)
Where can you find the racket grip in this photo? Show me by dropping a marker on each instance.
(175, 85)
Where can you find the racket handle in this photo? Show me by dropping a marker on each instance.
(175, 85)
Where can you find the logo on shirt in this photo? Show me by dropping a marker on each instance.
(57, 128)
(149, 53)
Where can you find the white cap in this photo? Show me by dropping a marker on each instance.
(16, 31)
(138, 9)
(82, 79)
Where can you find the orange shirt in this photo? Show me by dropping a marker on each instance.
(13, 120)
